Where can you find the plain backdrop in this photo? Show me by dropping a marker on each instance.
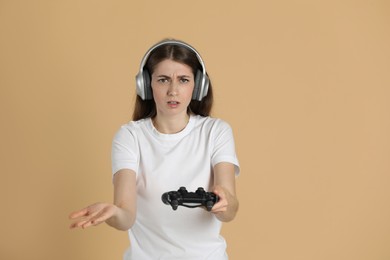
(304, 84)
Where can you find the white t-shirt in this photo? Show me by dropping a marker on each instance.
(166, 162)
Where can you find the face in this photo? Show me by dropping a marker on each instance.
(172, 83)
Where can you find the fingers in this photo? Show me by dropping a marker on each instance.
(91, 216)
(84, 223)
(222, 204)
(79, 213)
(99, 218)
(78, 224)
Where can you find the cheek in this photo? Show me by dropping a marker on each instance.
(157, 90)
(156, 94)
(189, 91)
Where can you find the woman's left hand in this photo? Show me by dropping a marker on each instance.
(223, 202)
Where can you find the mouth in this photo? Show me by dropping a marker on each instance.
(173, 104)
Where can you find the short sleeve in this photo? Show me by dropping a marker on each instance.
(124, 153)
(223, 146)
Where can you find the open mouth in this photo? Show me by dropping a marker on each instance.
(173, 103)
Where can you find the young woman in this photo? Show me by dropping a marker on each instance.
(172, 142)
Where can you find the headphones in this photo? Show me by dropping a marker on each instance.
(143, 78)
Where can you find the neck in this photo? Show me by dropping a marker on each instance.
(171, 125)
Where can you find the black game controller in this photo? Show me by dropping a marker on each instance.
(190, 199)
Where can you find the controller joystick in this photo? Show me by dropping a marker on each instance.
(187, 199)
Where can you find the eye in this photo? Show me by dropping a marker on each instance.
(184, 80)
(162, 80)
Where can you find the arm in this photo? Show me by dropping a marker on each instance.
(225, 187)
(125, 198)
(121, 214)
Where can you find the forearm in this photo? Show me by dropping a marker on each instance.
(124, 200)
(225, 187)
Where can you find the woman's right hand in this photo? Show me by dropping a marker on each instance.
(92, 215)
(120, 214)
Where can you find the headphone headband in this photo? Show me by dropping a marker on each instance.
(171, 42)
(143, 77)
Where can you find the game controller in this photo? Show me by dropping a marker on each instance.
(187, 199)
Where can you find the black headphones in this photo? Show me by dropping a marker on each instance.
(144, 88)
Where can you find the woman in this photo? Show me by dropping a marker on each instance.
(171, 142)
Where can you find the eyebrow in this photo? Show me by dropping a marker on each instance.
(180, 76)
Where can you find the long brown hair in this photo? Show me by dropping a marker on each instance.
(181, 54)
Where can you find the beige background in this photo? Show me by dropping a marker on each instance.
(304, 84)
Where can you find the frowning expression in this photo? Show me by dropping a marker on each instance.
(172, 84)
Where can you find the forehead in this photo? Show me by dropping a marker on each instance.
(168, 67)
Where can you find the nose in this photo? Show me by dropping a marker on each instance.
(173, 88)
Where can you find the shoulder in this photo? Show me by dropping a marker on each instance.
(135, 125)
(132, 128)
(212, 125)
(211, 122)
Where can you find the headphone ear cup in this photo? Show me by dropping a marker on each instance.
(198, 86)
(139, 83)
(147, 85)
